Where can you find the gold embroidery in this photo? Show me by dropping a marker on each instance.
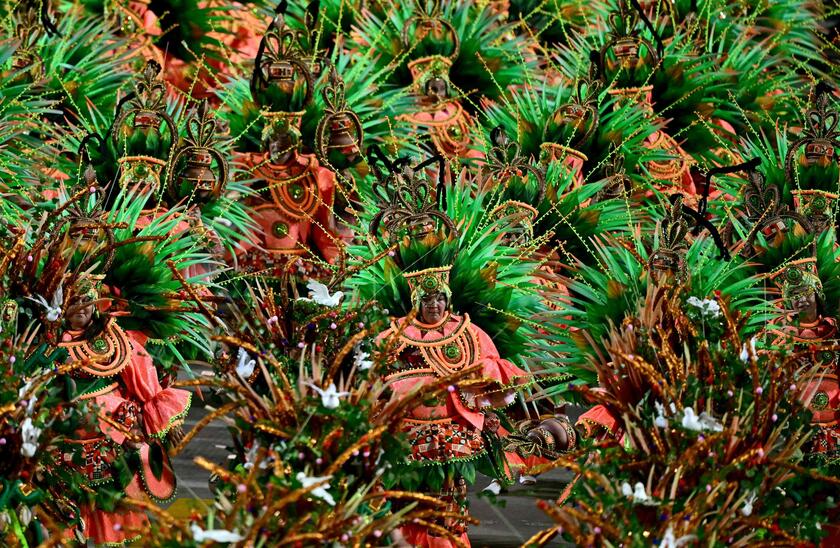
(105, 355)
(445, 354)
(297, 196)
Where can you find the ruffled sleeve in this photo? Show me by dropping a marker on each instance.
(162, 408)
(324, 231)
(598, 420)
(502, 376)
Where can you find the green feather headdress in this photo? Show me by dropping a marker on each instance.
(491, 282)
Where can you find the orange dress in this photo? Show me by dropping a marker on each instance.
(298, 219)
(121, 380)
(448, 429)
(821, 395)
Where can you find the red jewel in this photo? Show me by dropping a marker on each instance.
(24, 474)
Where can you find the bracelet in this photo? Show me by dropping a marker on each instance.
(571, 434)
(546, 437)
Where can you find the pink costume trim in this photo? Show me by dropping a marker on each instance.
(596, 418)
(99, 525)
(494, 368)
(419, 537)
(162, 407)
(500, 372)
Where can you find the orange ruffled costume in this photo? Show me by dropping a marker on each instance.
(448, 429)
(120, 379)
(298, 220)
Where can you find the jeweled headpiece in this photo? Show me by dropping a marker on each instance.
(282, 79)
(339, 137)
(428, 281)
(204, 167)
(820, 137)
(518, 216)
(427, 21)
(618, 183)
(408, 205)
(766, 211)
(798, 276)
(143, 115)
(87, 287)
(506, 163)
(578, 118)
(28, 33)
(625, 43)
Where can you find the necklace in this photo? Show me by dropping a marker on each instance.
(296, 196)
(445, 354)
(105, 354)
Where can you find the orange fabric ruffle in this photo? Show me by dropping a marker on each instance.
(419, 537)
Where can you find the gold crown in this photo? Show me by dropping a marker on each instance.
(429, 280)
(797, 274)
(515, 211)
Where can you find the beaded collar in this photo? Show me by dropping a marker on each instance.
(425, 329)
(105, 355)
(444, 354)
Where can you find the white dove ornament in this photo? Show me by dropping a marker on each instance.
(360, 360)
(245, 365)
(690, 420)
(660, 421)
(53, 308)
(670, 540)
(639, 494)
(320, 492)
(747, 508)
(330, 398)
(320, 294)
(214, 535)
(710, 423)
(29, 436)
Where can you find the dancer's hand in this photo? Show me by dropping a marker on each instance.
(176, 435)
(134, 439)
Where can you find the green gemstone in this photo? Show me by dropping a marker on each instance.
(280, 229)
(793, 275)
(820, 401)
(296, 191)
(452, 352)
(100, 345)
(141, 170)
(429, 282)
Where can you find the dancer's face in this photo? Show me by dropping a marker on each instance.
(80, 315)
(804, 301)
(433, 307)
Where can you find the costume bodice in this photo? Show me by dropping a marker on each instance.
(103, 355)
(440, 349)
(294, 186)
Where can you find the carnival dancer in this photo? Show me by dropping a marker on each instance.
(811, 331)
(130, 415)
(455, 434)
